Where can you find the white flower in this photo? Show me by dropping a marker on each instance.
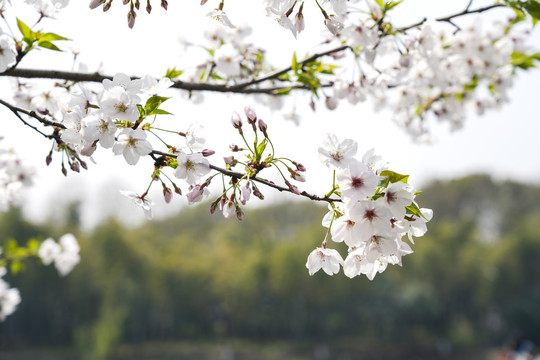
(197, 194)
(417, 225)
(8, 54)
(153, 87)
(64, 255)
(220, 16)
(191, 167)
(118, 103)
(327, 259)
(9, 297)
(95, 128)
(49, 251)
(229, 210)
(132, 144)
(227, 60)
(143, 201)
(132, 87)
(356, 182)
(333, 24)
(397, 196)
(337, 154)
(372, 218)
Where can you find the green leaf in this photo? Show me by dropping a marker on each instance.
(48, 45)
(153, 103)
(393, 177)
(533, 8)
(524, 61)
(260, 149)
(16, 267)
(26, 32)
(414, 210)
(173, 73)
(295, 66)
(49, 37)
(392, 4)
(159, 112)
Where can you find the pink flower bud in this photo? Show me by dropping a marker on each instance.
(107, 6)
(177, 189)
(239, 213)
(236, 121)
(208, 152)
(331, 103)
(299, 166)
(148, 8)
(131, 19)
(95, 3)
(167, 194)
(48, 159)
(234, 148)
(250, 113)
(293, 188)
(125, 2)
(263, 127)
(164, 4)
(203, 2)
(297, 176)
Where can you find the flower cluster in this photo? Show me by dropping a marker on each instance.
(14, 175)
(376, 210)
(9, 297)
(64, 254)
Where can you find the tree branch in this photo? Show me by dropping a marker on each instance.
(18, 111)
(239, 175)
(240, 88)
(449, 18)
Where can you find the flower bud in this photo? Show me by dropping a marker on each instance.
(75, 166)
(177, 189)
(137, 4)
(95, 3)
(167, 194)
(263, 127)
(331, 103)
(335, 26)
(48, 159)
(208, 152)
(236, 121)
(250, 114)
(131, 19)
(239, 213)
(164, 4)
(299, 166)
(203, 2)
(293, 188)
(297, 176)
(234, 148)
(125, 2)
(405, 61)
(230, 161)
(107, 6)
(148, 7)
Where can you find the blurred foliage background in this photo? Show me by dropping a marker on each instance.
(204, 287)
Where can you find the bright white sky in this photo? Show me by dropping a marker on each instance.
(503, 143)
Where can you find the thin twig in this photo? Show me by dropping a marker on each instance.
(18, 111)
(238, 175)
(241, 88)
(449, 18)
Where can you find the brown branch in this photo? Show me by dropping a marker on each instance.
(449, 18)
(18, 111)
(240, 88)
(238, 175)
